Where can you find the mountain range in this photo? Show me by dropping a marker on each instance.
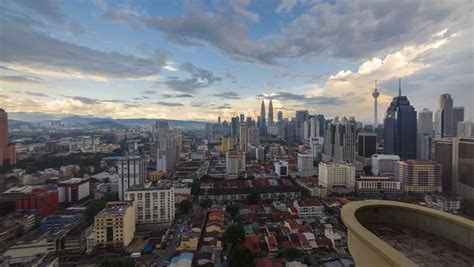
(17, 118)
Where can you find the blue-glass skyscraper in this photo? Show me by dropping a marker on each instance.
(400, 127)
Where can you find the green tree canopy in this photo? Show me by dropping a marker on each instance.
(240, 256)
(253, 198)
(234, 233)
(205, 203)
(291, 254)
(185, 206)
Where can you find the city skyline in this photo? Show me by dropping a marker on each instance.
(141, 60)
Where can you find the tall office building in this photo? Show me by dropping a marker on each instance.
(7, 151)
(316, 145)
(384, 164)
(306, 130)
(443, 154)
(234, 126)
(167, 155)
(131, 171)
(242, 118)
(161, 129)
(243, 141)
(419, 176)
(344, 144)
(400, 127)
(253, 136)
(367, 144)
(280, 116)
(458, 116)
(305, 164)
(270, 114)
(301, 117)
(155, 202)
(425, 122)
(314, 127)
(227, 144)
(463, 167)
(235, 163)
(444, 117)
(424, 144)
(337, 177)
(263, 120)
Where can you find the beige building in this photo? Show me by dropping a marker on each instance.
(389, 233)
(155, 202)
(419, 176)
(337, 177)
(115, 224)
(227, 144)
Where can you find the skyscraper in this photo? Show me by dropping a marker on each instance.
(301, 117)
(400, 127)
(270, 113)
(424, 135)
(444, 117)
(243, 138)
(263, 120)
(458, 116)
(367, 144)
(375, 94)
(280, 116)
(7, 151)
(339, 141)
(463, 168)
(314, 127)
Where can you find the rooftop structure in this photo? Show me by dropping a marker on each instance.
(389, 233)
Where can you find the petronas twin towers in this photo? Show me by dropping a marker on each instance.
(263, 120)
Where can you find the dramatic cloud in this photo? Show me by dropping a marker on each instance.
(200, 78)
(347, 29)
(166, 95)
(26, 49)
(312, 100)
(228, 95)
(168, 104)
(76, 28)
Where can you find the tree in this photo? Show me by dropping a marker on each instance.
(195, 187)
(253, 198)
(233, 210)
(291, 254)
(205, 203)
(94, 207)
(185, 206)
(240, 256)
(234, 234)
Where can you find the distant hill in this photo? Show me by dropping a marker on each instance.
(17, 124)
(106, 124)
(71, 119)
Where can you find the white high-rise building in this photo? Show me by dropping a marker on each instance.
(344, 141)
(155, 202)
(425, 122)
(235, 163)
(384, 164)
(424, 144)
(337, 177)
(305, 164)
(131, 171)
(316, 145)
(281, 168)
(306, 129)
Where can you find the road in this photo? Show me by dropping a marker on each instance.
(171, 249)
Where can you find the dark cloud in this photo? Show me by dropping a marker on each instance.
(36, 94)
(224, 106)
(312, 100)
(149, 92)
(24, 46)
(21, 79)
(168, 104)
(76, 28)
(166, 95)
(347, 29)
(121, 12)
(200, 78)
(85, 100)
(48, 9)
(227, 95)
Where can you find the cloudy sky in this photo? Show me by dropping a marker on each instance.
(203, 59)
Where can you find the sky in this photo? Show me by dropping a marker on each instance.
(197, 60)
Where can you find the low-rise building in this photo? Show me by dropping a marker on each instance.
(312, 186)
(378, 186)
(419, 176)
(308, 208)
(443, 202)
(384, 164)
(43, 200)
(337, 177)
(73, 190)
